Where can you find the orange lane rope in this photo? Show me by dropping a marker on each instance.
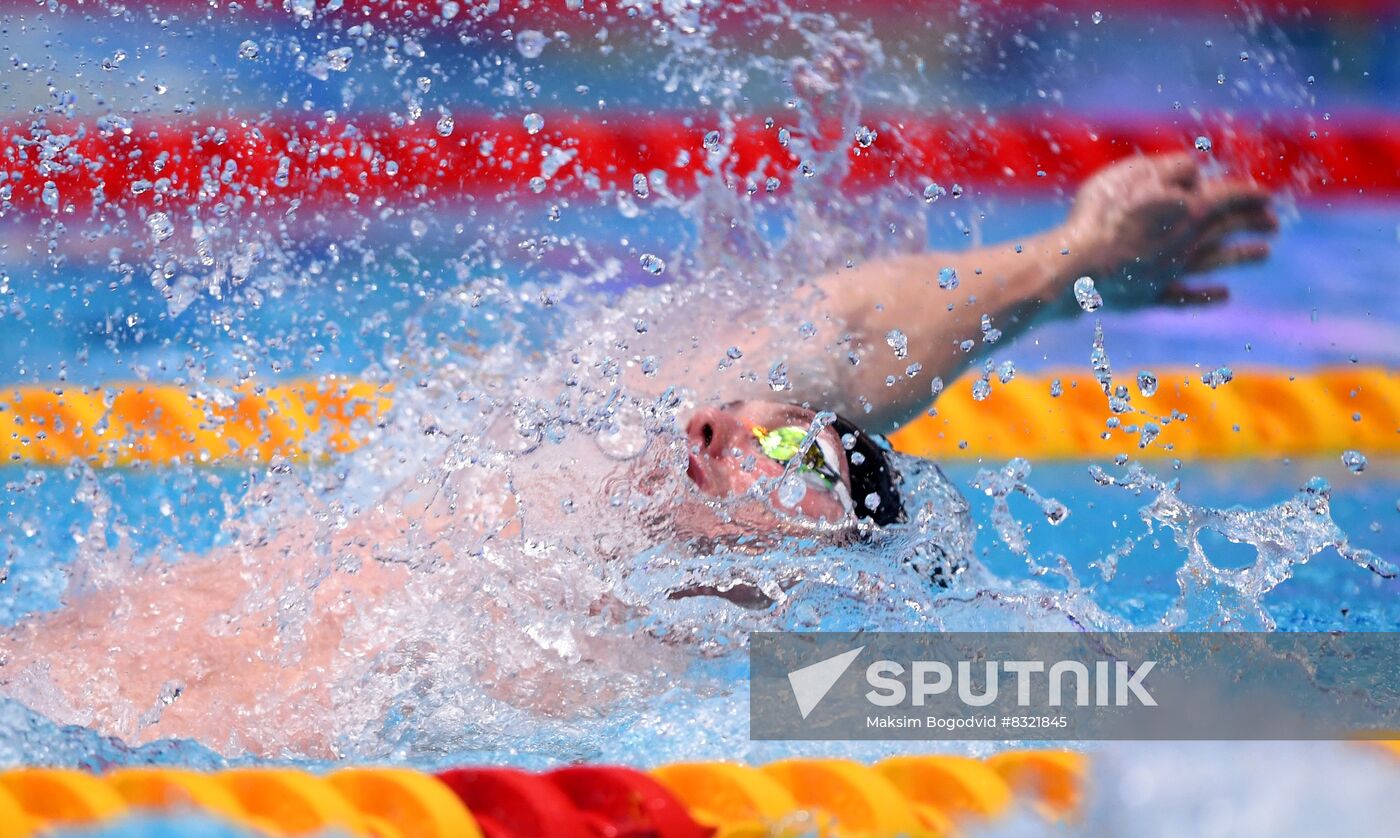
(1259, 413)
(924, 796)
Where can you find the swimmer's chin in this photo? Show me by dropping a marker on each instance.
(743, 594)
(745, 523)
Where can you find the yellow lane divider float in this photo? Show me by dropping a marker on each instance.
(162, 424)
(1258, 413)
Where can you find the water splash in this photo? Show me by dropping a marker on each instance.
(437, 596)
(1285, 535)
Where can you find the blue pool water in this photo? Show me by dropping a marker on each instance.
(1327, 297)
(1324, 298)
(413, 298)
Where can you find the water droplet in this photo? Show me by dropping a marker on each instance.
(1149, 433)
(771, 185)
(450, 10)
(711, 141)
(981, 389)
(792, 490)
(533, 123)
(537, 184)
(933, 192)
(898, 342)
(653, 264)
(1147, 383)
(808, 168)
(1203, 143)
(865, 137)
(418, 228)
(784, 137)
(1096, 17)
(283, 175)
(778, 378)
(1006, 372)
(248, 51)
(989, 335)
(50, 195)
(1218, 377)
(734, 353)
(640, 187)
(339, 59)
(160, 226)
(1087, 295)
(1354, 460)
(1056, 389)
(530, 42)
(947, 278)
(445, 125)
(140, 186)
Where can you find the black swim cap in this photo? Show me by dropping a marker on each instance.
(874, 474)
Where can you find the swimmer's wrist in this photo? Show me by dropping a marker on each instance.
(1080, 246)
(1073, 250)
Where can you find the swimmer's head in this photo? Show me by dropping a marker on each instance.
(844, 471)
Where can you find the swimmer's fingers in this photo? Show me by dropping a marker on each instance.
(1179, 294)
(1179, 169)
(1221, 199)
(1262, 222)
(1223, 255)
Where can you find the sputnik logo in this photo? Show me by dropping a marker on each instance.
(810, 684)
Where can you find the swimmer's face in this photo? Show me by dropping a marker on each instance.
(746, 444)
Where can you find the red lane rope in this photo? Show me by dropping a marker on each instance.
(103, 169)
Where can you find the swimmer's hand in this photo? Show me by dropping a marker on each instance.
(1146, 223)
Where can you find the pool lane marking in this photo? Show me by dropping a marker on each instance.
(1261, 413)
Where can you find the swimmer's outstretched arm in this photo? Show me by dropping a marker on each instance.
(1137, 228)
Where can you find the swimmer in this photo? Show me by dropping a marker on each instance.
(1138, 228)
(244, 649)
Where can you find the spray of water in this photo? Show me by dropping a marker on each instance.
(503, 572)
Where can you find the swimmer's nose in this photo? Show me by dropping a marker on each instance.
(712, 432)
